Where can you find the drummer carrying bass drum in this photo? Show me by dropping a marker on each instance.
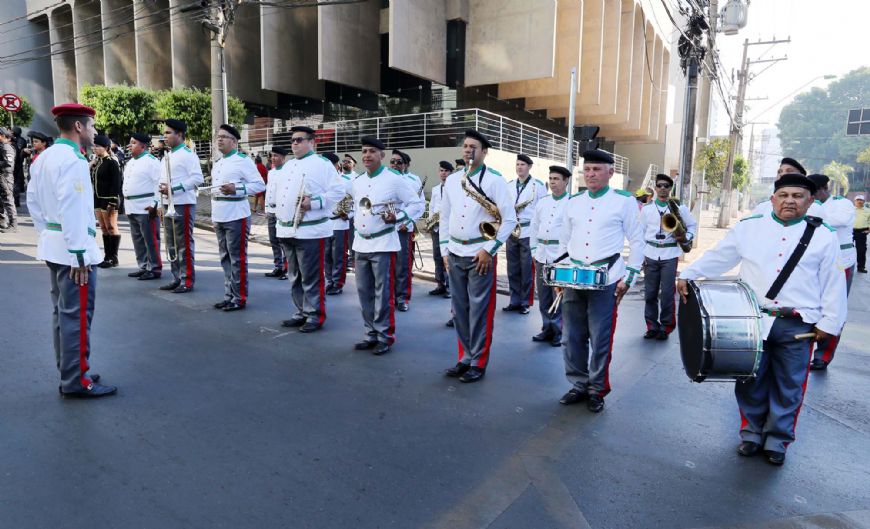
(798, 292)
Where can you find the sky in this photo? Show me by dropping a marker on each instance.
(827, 38)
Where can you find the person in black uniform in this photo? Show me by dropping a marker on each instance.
(106, 178)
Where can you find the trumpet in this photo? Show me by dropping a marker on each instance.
(213, 190)
(366, 206)
(672, 223)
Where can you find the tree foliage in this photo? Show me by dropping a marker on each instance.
(121, 110)
(812, 128)
(839, 175)
(22, 118)
(713, 161)
(194, 107)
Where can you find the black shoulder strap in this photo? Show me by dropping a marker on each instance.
(791, 264)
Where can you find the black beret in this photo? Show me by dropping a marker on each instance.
(794, 163)
(597, 156)
(351, 157)
(279, 150)
(524, 158)
(446, 165)
(37, 135)
(177, 125)
(665, 177)
(232, 130)
(820, 180)
(405, 158)
(141, 138)
(371, 141)
(795, 180)
(102, 141)
(459, 162)
(561, 170)
(302, 128)
(331, 156)
(471, 133)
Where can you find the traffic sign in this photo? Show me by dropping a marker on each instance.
(858, 123)
(10, 102)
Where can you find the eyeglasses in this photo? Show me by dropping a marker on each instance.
(397, 162)
(663, 186)
(225, 137)
(298, 139)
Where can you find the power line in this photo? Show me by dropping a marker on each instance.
(33, 13)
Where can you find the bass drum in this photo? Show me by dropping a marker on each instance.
(720, 331)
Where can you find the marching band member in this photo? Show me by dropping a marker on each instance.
(809, 297)
(838, 213)
(106, 174)
(348, 169)
(786, 166)
(443, 288)
(276, 158)
(307, 190)
(185, 173)
(596, 224)
(401, 162)
(336, 254)
(231, 214)
(141, 178)
(545, 229)
(661, 256)
(470, 198)
(520, 267)
(377, 242)
(60, 201)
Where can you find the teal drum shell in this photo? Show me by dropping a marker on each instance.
(576, 277)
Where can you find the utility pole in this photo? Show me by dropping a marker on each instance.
(221, 16)
(569, 162)
(736, 136)
(691, 54)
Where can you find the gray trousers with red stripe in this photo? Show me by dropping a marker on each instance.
(770, 403)
(404, 266)
(587, 337)
(178, 236)
(826, 348)
(336, 259)
(305, 272)
(232, 239)
(521, 271)
(72, 312)
(659, 289)
(375, 274)
(146, 241)
(473, 303)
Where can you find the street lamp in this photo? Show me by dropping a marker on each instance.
(826, 77)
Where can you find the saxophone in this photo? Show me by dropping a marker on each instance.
(519, 209)
(433, 221)
(673, 223)
(488, 229)
(343, 208)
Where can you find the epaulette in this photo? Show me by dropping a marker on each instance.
(623, 192)
(825, 224)
(817, 201)
(243, 155)
(186, 148)
(757, 216)
(839, 198)
(151, 156)
(493, 171)
(390, 169)
(345, 176)
(578, 194)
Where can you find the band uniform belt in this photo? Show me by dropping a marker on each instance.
(469, 241)
(782, 312)
(136, 197)
(229, 199)
(548, 241)
(375, 235)
(846, 246)
(662, 244)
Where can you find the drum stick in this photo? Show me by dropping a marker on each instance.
(555, 303)
(804, 336)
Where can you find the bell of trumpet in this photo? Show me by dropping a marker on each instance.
(489, 229)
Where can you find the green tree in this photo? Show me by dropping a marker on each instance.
(713, 161)
(22, 118)
(121, 110)
(194, 107)
(812, 128)
(839, 175)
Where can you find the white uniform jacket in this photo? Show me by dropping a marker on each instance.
(271, 190)
(762, 244)
(665, 247)
(141, 175)
(417, 187)
(461, 215)
(384, 185)
(546, 227)
(532, 190)
(234, 168)
(60, 199)
(435, 202)
(186, 174)
(595, 228)
(839, 213)
(321, 183)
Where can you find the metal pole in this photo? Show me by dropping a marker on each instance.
(736, 140)
(569, 158)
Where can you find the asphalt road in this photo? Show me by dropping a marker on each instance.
(227, 420)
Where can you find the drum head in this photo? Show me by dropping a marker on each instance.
(690, 324)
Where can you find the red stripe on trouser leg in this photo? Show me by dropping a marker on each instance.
(286, 264)
(670, 328)
(84, 380)
(461, 350)
(410, 264)
(188, 257)
(743, 422)
(156, 236)
(243, 263)
(321, 295)
(606, 389)
(803, 394)
(391, 330)
(490, 316)
(532, 290)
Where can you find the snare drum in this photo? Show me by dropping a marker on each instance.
(720, 331)
(577, 277)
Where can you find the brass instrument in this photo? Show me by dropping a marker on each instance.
(423, 185)
(366, 206)
(432, 221)
(170, 211)
(297, 212)
(343, 208)
(488, 229)
(519, 209)
(213, 190)
(673, 223)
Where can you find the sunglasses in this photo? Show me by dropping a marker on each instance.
(298, 139)
(663, 186)
(397, 162)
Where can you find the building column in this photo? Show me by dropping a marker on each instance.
(119, 47)
(63, 60)
(88, 31)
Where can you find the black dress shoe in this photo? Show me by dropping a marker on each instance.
(309, 327)
(650, 334)
(365, 345)
(544, 336)
(862, 270)
(472, 375)
(402, 307)
(278, 272)
(573, 396)
(525, 309)
(595, 404)
(232, 307)
(450, 323)
(182, 290)
(774, 458)
(333, 291)
(661, 336)
(221, 304)
(171, 286)
(748, 448)
(818, 365)
(149, 275)
(137, 273)
(293, 322)
(381, 349)
(457, 371)
(94, 391)
(556, 341)
(511, 308)
(440, 291)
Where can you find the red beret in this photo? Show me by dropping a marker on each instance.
(73, 109)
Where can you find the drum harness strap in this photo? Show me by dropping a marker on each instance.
(790, 265)
(608, 261)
